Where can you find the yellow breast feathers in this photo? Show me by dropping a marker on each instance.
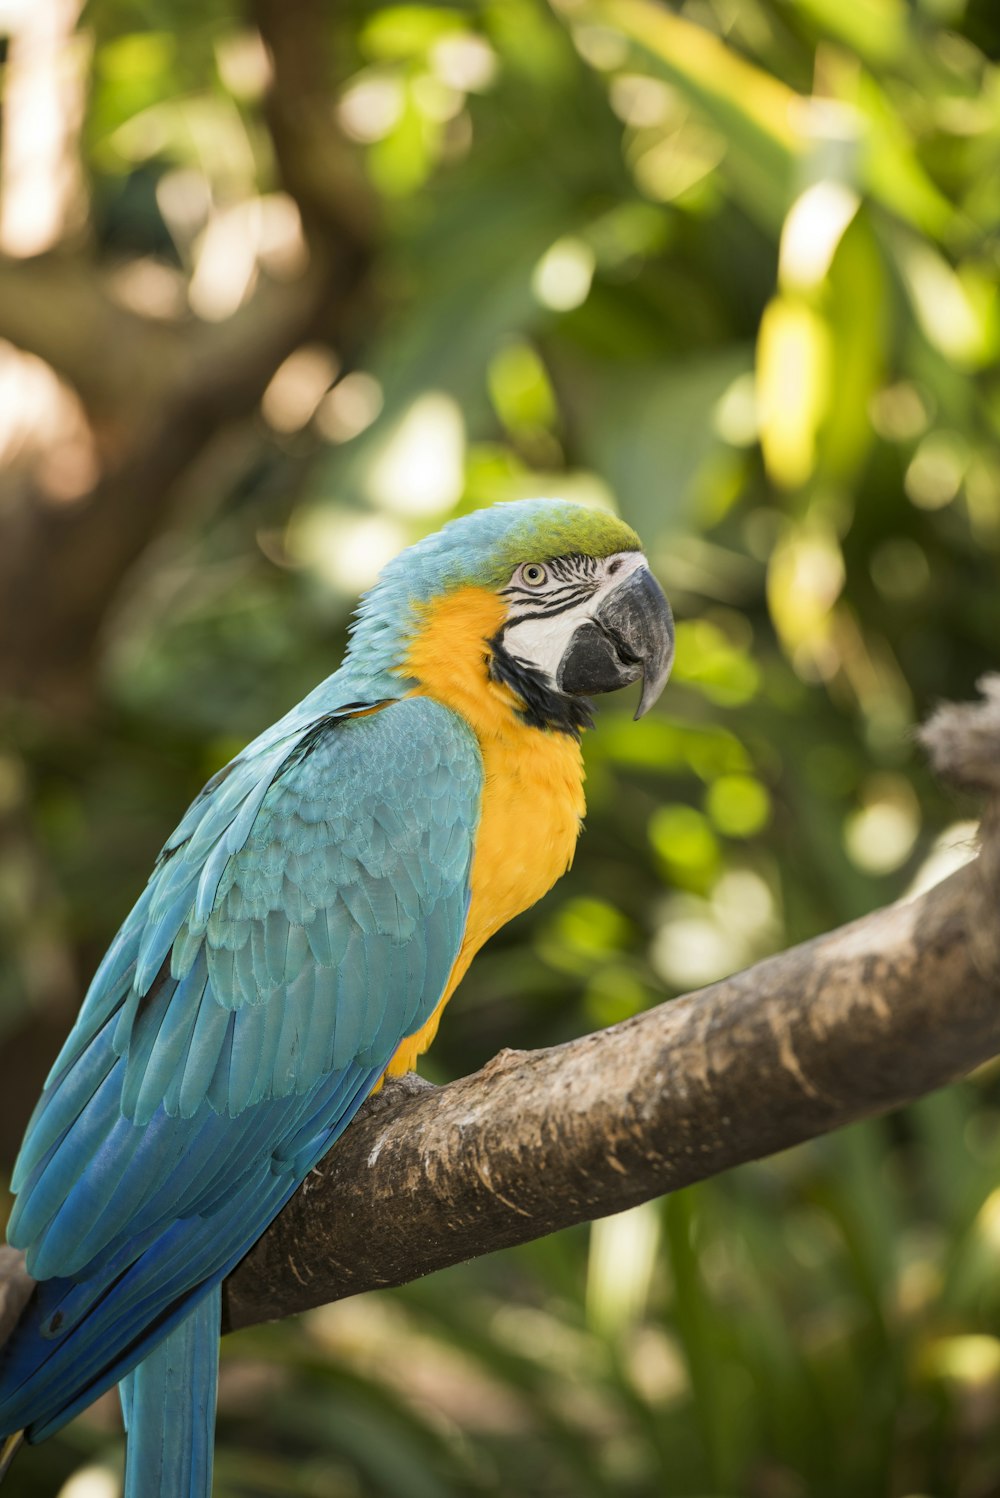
(532, 790)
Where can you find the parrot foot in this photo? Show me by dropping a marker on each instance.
(397, 1090)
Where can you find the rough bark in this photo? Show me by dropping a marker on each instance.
(853, 1023)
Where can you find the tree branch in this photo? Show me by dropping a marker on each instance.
(61, 565)
(56, 306)
(848, 1025)
(317, 167)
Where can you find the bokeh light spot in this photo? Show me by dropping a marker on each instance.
(683, 839)
(692, 946)
(881, 834)
(562, 277)
(793, 377)
(465, 61)
(936, 470)
(899, 412)
(92, 1482)
(350, 407)
(347, 550)
(738, 805)
(900, 569)
(297, 387)
(813, 229)
(519, 387)
(421, 469)
(735, 416)
(620, 1265)
(370, 107)
(968, 1358)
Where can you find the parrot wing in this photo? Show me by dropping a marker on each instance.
(302, 921)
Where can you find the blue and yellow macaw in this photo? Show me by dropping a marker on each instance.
(300, 934)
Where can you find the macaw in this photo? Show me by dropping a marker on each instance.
(300, 934)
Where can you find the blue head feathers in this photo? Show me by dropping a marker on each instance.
(476, 550)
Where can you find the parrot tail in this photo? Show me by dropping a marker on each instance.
(8, 1450)
(168, 1402)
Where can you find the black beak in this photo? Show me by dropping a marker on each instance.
(630, 635)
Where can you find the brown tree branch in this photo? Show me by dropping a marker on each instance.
(322, 173)
(848, 1025)
(56, 306)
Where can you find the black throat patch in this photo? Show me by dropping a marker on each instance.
(542, 706)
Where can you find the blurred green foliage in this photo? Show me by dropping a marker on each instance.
(730, 266)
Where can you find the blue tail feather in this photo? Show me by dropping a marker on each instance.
(169, 1406)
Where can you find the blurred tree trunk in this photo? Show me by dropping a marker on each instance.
(155, 397)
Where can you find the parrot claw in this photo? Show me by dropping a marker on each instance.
(9, 1450)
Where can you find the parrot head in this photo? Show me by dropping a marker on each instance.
(549, 600)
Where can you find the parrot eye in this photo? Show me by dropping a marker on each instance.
(533, 574)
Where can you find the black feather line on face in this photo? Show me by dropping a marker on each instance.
(539, 608)
(543, 706)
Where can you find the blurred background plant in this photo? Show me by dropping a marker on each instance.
(285, 285)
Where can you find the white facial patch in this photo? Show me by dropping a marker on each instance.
(543, 640)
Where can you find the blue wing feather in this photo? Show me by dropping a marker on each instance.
(188, 1256)
(302, 920)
